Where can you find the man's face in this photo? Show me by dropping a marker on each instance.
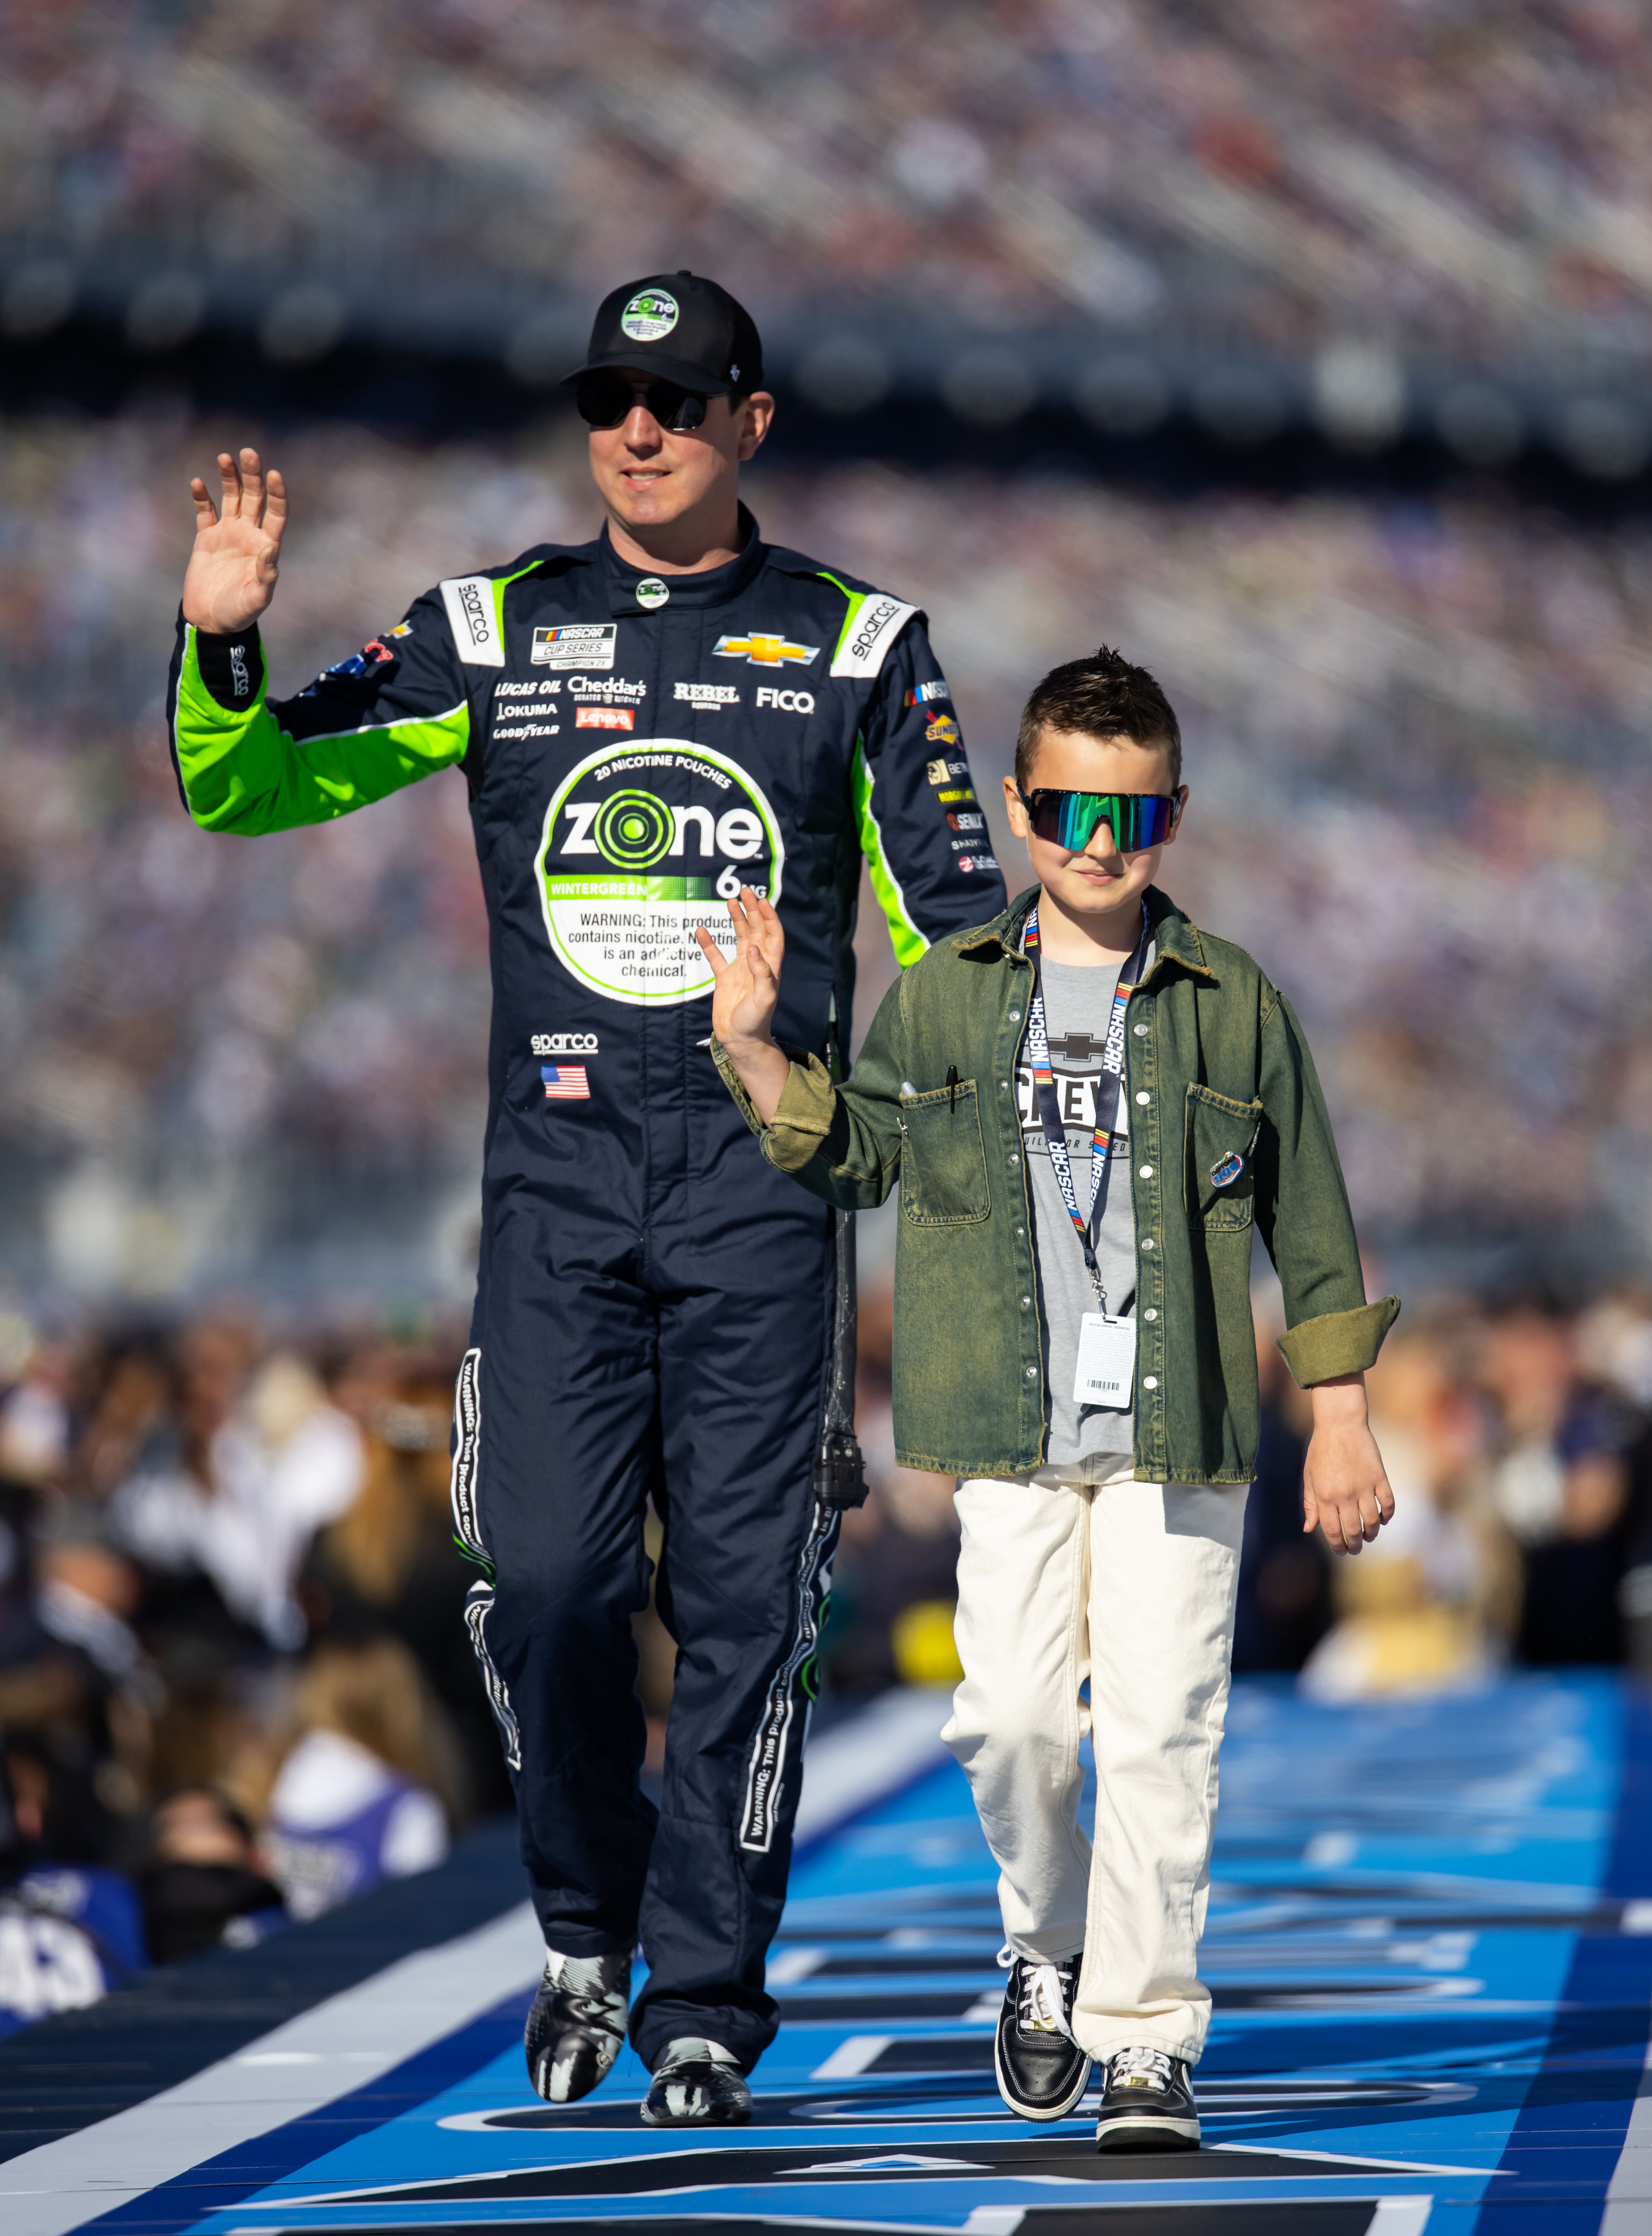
(648, 477)
(1101, 877)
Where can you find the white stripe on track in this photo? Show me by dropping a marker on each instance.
(313, 2059)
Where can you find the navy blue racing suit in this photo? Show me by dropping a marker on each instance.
(653, 1303)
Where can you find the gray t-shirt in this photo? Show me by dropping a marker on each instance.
(1078, 1002)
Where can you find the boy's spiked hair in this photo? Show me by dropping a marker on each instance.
(1103, 696)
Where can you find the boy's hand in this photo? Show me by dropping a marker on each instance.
(1345, 1486)
(743, 1001)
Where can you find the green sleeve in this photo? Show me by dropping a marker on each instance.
(349, 740)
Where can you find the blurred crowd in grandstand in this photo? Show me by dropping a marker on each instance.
(1462, 179)
(1415, 734)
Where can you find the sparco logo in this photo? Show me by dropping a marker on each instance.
(238, 670)
(870, 622)
(475, 612)
(564, 1044)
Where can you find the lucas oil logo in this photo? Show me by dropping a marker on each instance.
(640, 846)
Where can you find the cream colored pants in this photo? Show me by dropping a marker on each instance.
(1133, 1585)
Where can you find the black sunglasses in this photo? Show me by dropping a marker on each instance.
(606, 399)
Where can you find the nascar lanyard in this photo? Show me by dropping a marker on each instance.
(1043, 1089)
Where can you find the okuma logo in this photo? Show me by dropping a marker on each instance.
(649, 315)
(640, 846)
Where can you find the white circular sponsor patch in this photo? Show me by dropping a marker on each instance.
(651, 592)
(641, 843)
(649, 315)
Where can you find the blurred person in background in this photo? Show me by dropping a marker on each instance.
(1284, 1602)
(387, 1565)
(645, 723)
(67, 1936)
(1559, 1481)
(77, 1692)
(894, 1585)
(1434, 1606)
(206, 1882)
(227, 1515)
(365, 1790)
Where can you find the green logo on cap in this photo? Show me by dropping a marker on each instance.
(649, 316)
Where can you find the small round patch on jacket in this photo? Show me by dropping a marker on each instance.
(1226, 1170)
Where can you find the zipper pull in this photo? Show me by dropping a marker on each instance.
(951, 1086)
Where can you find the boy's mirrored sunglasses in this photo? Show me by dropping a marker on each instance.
(1071, 818)
(605, 399)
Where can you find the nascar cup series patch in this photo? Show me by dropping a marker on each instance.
(639, 847)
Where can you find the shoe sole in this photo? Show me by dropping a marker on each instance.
(717, 2120)
(1137, 2131)
(1042, 2111)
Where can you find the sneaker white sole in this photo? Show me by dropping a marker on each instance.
(1145, 2131)
(1039, 2112)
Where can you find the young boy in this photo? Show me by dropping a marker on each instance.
(1091, 1106)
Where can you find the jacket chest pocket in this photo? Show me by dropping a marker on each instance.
(1219, 1175)
(943, 1161)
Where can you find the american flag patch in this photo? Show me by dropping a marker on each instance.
(565, 1083)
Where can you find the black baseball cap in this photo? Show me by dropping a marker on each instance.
(684, 328)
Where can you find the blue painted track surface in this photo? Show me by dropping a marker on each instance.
(1429, 1946)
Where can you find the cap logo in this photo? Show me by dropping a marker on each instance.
(649, 315)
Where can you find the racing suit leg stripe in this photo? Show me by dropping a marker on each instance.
(767, 1768)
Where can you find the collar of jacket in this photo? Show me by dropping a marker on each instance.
(713, 585)
(1176, 938)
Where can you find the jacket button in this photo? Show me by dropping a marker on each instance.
(1147, 1172)
(1146, 1242)
(1032, 1374)
(1003, 1087)
(1020, 1233)
(1144, 1096)
(1015, 1017)
(1014, 1157)
(1151, 1313)
(1025, 1301)
(1141, 1031)
(1149, 1382)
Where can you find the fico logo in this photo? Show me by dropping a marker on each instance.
(564, 1044)
(788, 702)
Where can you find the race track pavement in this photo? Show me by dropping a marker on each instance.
(1430, 1947)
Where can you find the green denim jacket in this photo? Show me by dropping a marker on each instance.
(1213, 1050)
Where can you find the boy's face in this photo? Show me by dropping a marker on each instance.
(1101, 878)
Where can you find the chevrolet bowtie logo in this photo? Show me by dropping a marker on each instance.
(763, 651)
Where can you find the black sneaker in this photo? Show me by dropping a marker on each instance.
(1147, 2103)
(576, 2027)
(697, 2084)
(1042, 2071)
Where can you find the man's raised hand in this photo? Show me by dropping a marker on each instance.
(743, 1000)
(232, 570)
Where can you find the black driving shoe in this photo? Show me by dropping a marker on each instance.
(697, 2084)
(1042, 2071)
(1147, 2103)
(576, 2027)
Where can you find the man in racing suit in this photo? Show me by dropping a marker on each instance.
(645, 723)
